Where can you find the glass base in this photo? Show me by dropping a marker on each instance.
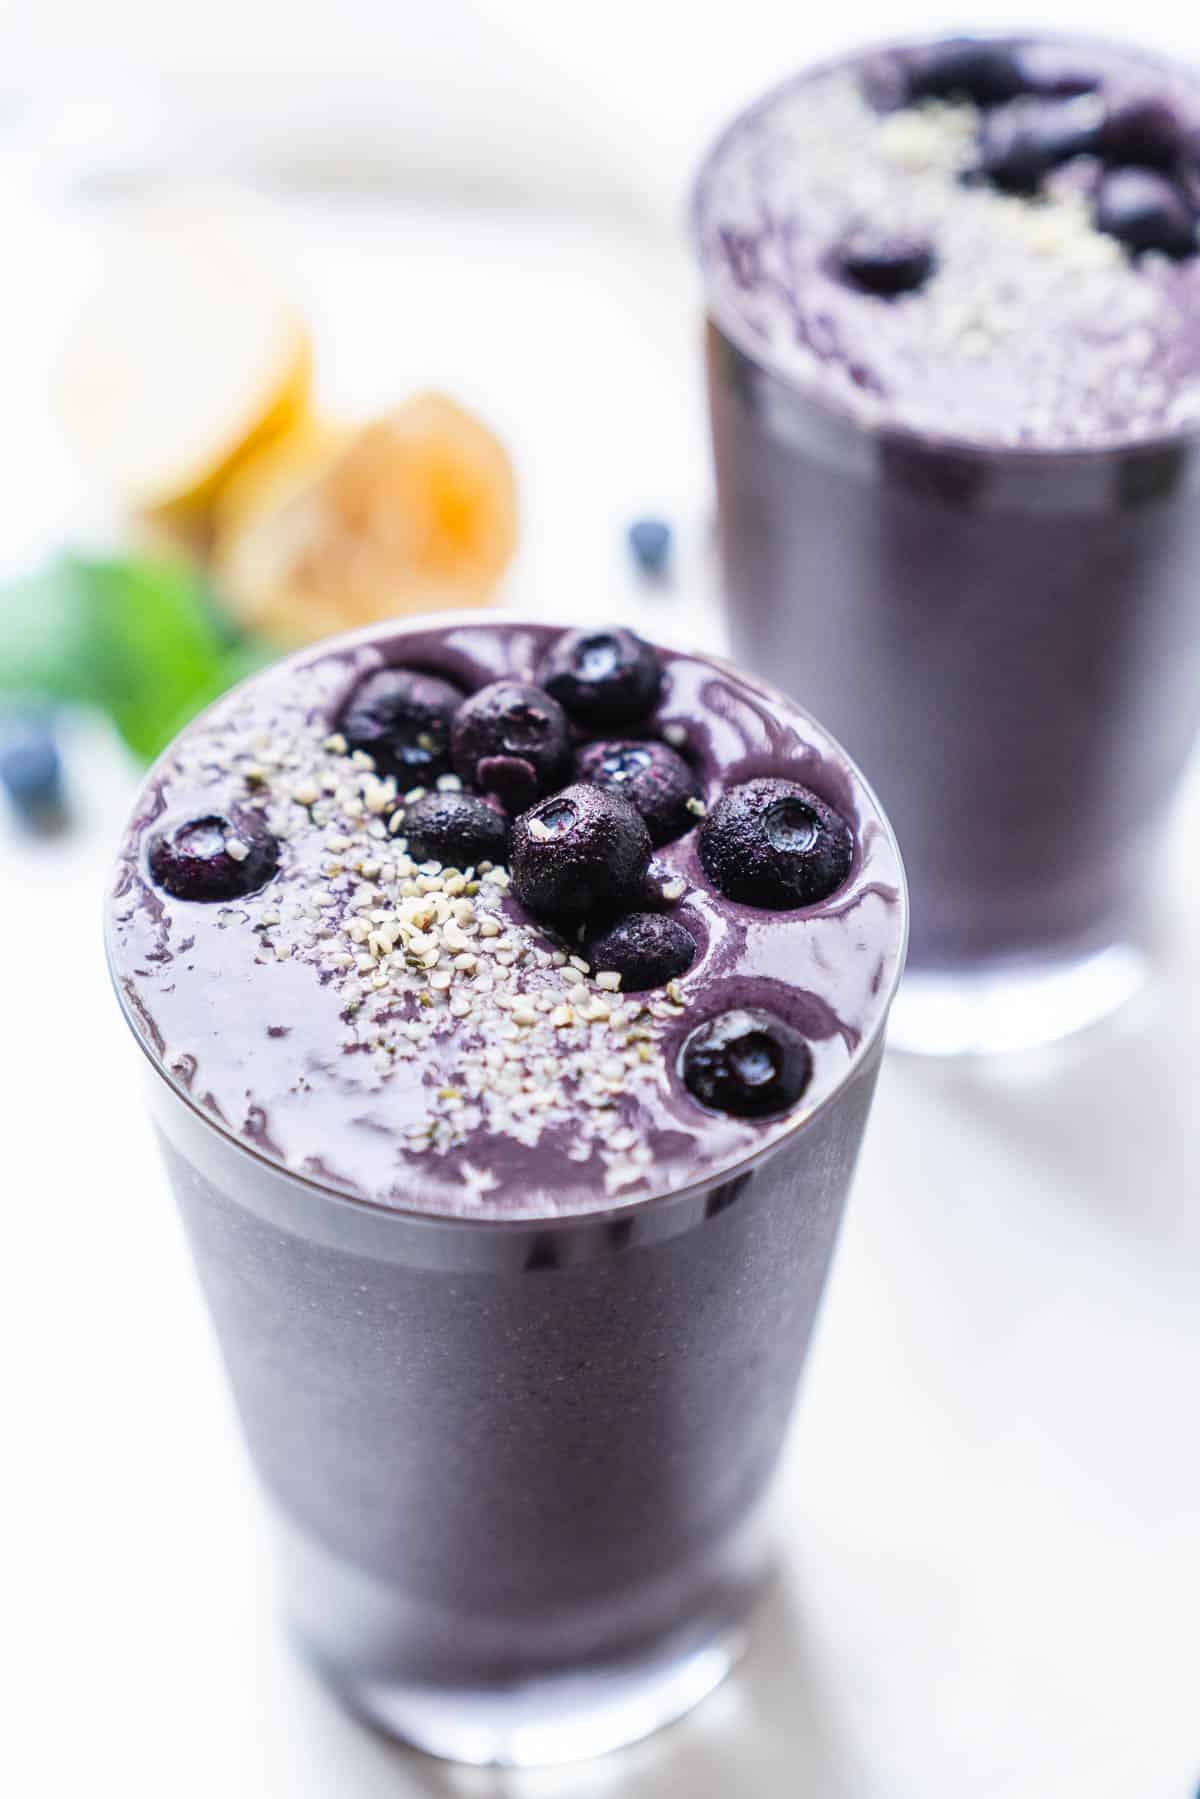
(554, 1719)
(982, 1011)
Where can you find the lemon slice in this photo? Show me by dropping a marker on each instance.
(186, 357)
(325, 529)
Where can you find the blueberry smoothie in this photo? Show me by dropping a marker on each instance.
(514, 998)
(954, 371)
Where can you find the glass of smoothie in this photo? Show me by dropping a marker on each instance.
(513, 999)
(954, 372)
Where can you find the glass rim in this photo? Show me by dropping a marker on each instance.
(579, 1218)
(764, 357)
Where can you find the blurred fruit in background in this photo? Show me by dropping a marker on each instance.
(31, 773)
(326, 528)
(185, 359)
(255, 522)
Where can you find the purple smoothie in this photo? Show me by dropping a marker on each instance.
(954, 369)
(513, 1320)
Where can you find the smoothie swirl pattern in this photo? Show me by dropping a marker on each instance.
(993, 243)
(406, 1030)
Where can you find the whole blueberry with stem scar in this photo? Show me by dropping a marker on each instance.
(607, 677)
(746, 1062)
(580, 851)
(213, 857)
(775, 844)
(402, 718)
(512, 739)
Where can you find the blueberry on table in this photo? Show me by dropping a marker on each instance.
(580, 851)
(774, 844)
(213, 858)
(602, 677)
(746, 1062)
(651, 777)
(457, 829)
(511, 738)
(402, 718)
(31, 772)
(883, 263)
(650, 544)
(1021, 143)
(1145, 211)
(967, 69)
(644, 948)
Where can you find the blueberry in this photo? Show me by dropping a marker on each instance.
(511, 739)
(644, 948)
(578, 852)
(1146, 212)
(967, 69)
(457, 829)
(214, 857)
(746, 1062)
(1021, 143)
(602, 677)
(651, 777)
(883, 263)
(650, 544)
(402, 718)
(1146, 133)
(31, 772)
(774, 844)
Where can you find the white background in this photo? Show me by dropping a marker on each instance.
(992, 1499)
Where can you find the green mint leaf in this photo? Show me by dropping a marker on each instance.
(141, 641)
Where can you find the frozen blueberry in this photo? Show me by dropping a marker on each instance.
(1146, 133)
(746, 1062)
(989, 73)
(1021, 143)
(602, 677)
(578, 852)
(458, 829)
(883, 263)
(214, 857)
(650, 544)
(402, 718)
(31, 772)
(644, 948)
(1146, 212)
(774, 844)
(651, 777)
(511, 739)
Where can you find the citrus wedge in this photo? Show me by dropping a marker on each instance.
(186, 358)
(325, 529)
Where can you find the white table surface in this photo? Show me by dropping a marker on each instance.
(991, 1501)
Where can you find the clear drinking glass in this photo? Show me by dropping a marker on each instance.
(517, 1473)
(517, 1468)
(1009, 639)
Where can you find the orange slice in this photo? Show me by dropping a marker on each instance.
(326, 529)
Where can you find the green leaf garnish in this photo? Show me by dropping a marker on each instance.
(140, 641)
